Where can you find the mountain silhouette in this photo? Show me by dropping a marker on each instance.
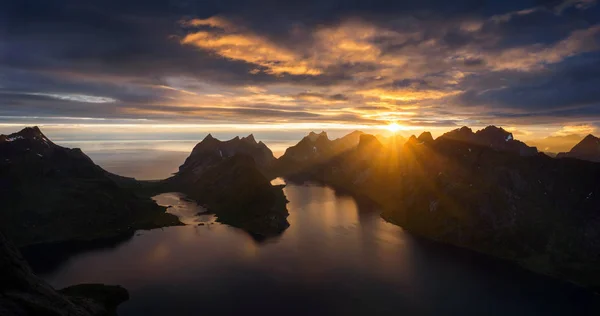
(227, 177)
(52, 193)
(211, 150)
(493, 137)
(483, 191)
(587, 149)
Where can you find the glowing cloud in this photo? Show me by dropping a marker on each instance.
(583, 129)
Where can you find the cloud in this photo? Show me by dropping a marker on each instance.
(582, 129)
(427, 62)
(579, 4)
(75, 97)
(234, 44)
(533, 56)
(313, 96)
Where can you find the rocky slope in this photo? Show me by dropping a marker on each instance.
(229, 182)
(23, 293)
(313, 149)
(50, 193)
(211, 150)
(492, 137)
(540, 212)
(587, 149)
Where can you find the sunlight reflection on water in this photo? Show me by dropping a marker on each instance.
(337, 257)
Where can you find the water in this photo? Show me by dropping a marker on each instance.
(148, 159)
(337, 257)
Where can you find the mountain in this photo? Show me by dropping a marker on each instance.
(50, 193)
(493, 137)
(539, 212)
(23, 293)
(587, 149)
(425, 137)
(556, 144)
(226, 178)
(314, 149)
(211, 150)
(347, 142)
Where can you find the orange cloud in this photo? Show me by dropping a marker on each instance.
(582, 129)
(406, 94)
(234, 44)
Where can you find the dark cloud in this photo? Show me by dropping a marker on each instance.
(333, 97)
(570, 85)
(56, 53)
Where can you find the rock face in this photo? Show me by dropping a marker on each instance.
(369, 143)
(347, 142)
(229, 182)
(211, 150)
(540, 212)
(314, 149)
(23, 293)
(492, 137)
(51, 193)
(587, 149)
(425, 137)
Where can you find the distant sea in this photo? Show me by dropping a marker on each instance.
(146, 159)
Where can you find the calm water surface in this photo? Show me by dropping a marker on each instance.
(336, 258)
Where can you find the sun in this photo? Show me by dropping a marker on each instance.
(393, 127)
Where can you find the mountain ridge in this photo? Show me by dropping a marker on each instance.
(536, 211)
(52, 193)
(587, 149)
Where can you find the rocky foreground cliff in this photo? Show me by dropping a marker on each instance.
(50, 193)
(484, 191)
(23, 293)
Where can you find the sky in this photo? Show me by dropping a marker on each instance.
(89, 69)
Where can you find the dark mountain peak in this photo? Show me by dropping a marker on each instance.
(464, 134)
(42, 176)
(465, 129)
(493, 133)
(312, 136)
(587, 149)
(425, 137)
(29, 141)
(250, 139)
(348, 141)
(209, 137)
(206, 144)
(412, 139)
(355, 133)
(491, 136)
(210, 151)
(591, 138)
(33, 131)
(368, 141)
(28, 133)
